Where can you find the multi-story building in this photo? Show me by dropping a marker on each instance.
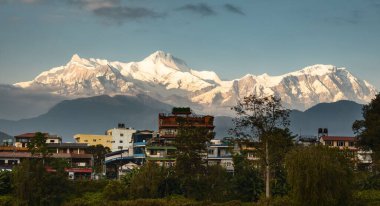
(22, 140)
(120, 161)
(94, 139)
(220, 153)
(362, 158)
(121, 138)
(75, 153)
(140, 139)
(161, 149)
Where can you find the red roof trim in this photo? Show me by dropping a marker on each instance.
(339, 138)
(29, 135)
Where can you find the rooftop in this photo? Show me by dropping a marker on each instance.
(66, 145)
(338, 138)
(30, 135)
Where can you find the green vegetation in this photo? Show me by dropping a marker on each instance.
(319, 176)
(265, 121)
(313, 175)
(99, 152)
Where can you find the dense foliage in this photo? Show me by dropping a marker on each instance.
(368, 129)
(319, 176)
(98, 152)
(312, 175)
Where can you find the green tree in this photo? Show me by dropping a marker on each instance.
(368, 129)
(5, 182)
(264, 121)
(115, 190)
(34, 186)
(38, 146)
(99, 152)
(246, 184)
(146, 183)
(218, 184)
(190, 163)
(319, 176)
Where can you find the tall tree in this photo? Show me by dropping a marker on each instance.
(246, 184)
(262, 119)
(99, 152)
(33, 185)
(368, 129)
(319, 176)
(191, 149)
(38, 146)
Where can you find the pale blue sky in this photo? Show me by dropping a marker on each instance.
(230, 37)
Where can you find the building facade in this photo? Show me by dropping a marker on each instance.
(94, 139)
(80, 163)
(220, 153)
(361, 158)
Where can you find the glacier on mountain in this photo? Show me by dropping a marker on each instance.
(169, 79)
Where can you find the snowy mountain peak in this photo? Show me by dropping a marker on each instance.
(317, 70)
(161, 57)
(75, 58)
(170, 80)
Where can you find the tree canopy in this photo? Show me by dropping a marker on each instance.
(319, 176)
(368, 129)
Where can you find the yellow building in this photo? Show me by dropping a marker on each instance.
(94, 139)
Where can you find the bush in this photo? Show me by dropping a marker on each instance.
(87, 199)
(5, 182)
(88, 186)
(367, 197)
(6, 200)
(114, 190)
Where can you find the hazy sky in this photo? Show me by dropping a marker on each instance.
(228, 36)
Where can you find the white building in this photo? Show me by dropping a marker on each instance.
(121, 138)
(220, 153)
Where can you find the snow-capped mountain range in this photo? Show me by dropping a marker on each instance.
(169, 79)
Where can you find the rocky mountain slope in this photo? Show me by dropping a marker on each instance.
(97, 114)
(169, 80)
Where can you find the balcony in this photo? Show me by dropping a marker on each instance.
(139, 144)
(139, 155)
(226, 156)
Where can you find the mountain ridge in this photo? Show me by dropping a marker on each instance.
(165, 77)
(97, 114)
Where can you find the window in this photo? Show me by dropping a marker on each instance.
(94, 140)
(112, 141)
(120, 147)
(85, 140)
(51, 141)
(121, 141)
(351, 144)
(210, 151)
(121, 134)
(340, 143)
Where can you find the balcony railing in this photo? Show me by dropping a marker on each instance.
(139, 144)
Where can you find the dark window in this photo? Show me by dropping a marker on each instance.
(121, 134)
(340, 144)
(121, 141)
(51, 141)
(351, 144)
